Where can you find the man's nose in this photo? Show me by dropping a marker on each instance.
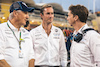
(67, 18)
(27, 16)
(51, 15)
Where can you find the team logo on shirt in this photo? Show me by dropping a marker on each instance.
(56, 30)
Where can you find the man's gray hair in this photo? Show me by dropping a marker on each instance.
(11, 15)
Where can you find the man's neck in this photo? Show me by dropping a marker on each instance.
(47, 27)
(15, 24)
(78, 25)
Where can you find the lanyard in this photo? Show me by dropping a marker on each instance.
(16, 37)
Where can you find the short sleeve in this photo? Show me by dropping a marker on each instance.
(1, 45)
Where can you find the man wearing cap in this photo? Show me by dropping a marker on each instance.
(16, 49)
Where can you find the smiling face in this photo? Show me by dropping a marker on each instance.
(48, 15)
(22, 17)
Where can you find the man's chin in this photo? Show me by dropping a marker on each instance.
(71, 25)
(24, 23)
(49, 21)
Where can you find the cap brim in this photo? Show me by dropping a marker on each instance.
(28, 9)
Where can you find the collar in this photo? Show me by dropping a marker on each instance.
(81, 29)
(12, 27)
(43, 28)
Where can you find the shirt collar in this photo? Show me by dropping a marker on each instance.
(43, 28)
(81, 29)
(12, 27)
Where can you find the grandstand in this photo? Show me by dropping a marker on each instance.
(60, 18)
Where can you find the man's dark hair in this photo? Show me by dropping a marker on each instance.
(27, 22)
(43, 7)
(81, 11)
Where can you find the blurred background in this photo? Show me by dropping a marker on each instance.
(60, 11)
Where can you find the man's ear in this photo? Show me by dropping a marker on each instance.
(76, 17)
(15, 13)
(41, 15)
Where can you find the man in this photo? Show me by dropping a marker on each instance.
(27, 26)
(48, 41)
(15, 42)
(85, 48)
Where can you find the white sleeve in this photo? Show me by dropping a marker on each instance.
(32, 55)
(32, 42)
(32, 36)
(95, 46)
(63, 51)
(1, 45)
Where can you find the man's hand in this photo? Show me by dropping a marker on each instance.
(31, 63)
(3, 63)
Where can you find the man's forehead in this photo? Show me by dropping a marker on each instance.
(49, 8)
(45, 9)
(69, 12)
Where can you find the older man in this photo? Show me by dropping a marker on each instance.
(15, 42)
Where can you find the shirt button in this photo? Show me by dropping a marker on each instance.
(96, 64)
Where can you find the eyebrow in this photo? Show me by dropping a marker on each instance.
(50, 12)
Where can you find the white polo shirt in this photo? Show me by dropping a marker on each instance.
(86, 53)
(9, 46)
(49, 50)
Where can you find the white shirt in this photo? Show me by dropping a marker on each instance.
(9, 46)
(49, 50)
(86, 53)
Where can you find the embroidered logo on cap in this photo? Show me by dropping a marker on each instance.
(24, 4)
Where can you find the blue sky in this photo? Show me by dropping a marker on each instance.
(66, 3)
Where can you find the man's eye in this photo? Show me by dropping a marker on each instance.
(48, 13)
(26, 12)
(52, 13)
